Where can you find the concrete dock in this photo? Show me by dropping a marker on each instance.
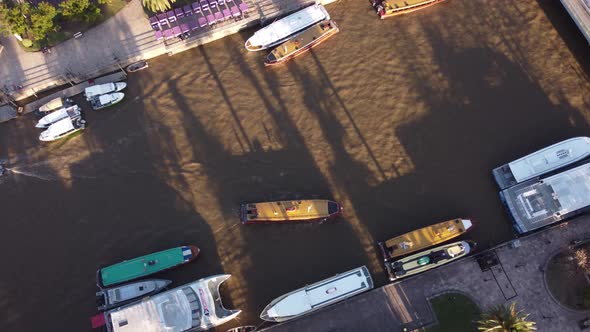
(517, 277)
(579, 10)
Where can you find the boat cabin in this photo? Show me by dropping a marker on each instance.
(303, 210)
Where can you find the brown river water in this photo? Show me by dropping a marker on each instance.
(399, 120)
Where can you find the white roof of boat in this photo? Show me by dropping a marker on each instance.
(171, 311)
(321, 293)
(286, 26)
(550, 158)
(60, 127)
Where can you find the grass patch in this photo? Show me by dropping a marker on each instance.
(111, 8)
(455, 312)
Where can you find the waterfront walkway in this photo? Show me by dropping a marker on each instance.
(518, 276)
(119, 41)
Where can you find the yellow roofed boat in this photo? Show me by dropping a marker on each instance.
(388, 8)
(302, 42)
(423, 238)
(289, 211)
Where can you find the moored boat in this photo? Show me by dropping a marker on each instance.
(62, 128)
(137, 66)
(102, 101)
(543, 161)
(424, 237)
(289, 211)
(196, 306)
(302, 42)
(103, 89)
(145, 265)
(116, 296)
(389, 8)
(53, 117)
(427, 259)
(318, 295)
(280, 30)
(55, 104)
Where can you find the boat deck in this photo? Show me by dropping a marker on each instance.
(288, 210)
(579, 10)
(534, 204)
(303, 39)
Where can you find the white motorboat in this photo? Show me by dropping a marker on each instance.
(280, 30)
(102, 101)
(103, 89)
(55, 104)
(543, 161)
(116, 296)
(46, 121)
(196, 306)
(62, 128)
(318, 295)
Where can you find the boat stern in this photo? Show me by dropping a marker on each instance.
(384, 251)
(390, 273)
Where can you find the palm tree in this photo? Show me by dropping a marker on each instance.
(158, 5)
(503, 319)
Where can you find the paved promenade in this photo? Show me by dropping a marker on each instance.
(517, 277)
(119, 41)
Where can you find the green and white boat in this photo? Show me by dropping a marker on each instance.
(145, 265)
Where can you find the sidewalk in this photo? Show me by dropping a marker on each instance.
(125, 38)
(517, 277)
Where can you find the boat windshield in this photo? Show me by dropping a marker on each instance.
(195, 305)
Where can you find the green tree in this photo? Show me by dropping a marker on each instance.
(505, 319)
(80, 10)
(158, 5)
(16, 19)
(42, 21)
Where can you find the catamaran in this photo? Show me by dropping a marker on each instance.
(289, 211)
(145, 265)
(103, 89)
(116, 296)
(102, 101)
(62, 128)
(302, 42)
(424, 237)
(279, 31)
(318, 295)
(196, 306)
(389, 8)
(46, 121)
(543, 161)
(427, 260)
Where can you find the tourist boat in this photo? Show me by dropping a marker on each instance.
(137, 66)
(55, 104)
(543, 161)
(318, 295)
(423, 238)
(116, 296)
(145, 265)
(280, 30)
(102, 101)
(289, 211)
(427, 259)
(62, 128)
(538, 203)
(302, 42)
(103, 89)
(196, 306)
(47, 120)
(389, 8)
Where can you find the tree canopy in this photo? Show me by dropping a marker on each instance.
(158, 5)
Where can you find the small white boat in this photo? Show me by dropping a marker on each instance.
(102, 101)
(318, 295)
(55, 104)
(46, 121)
(103, 89)
(543, 161)
(116, 296)
(279, 31)
(62, 128)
